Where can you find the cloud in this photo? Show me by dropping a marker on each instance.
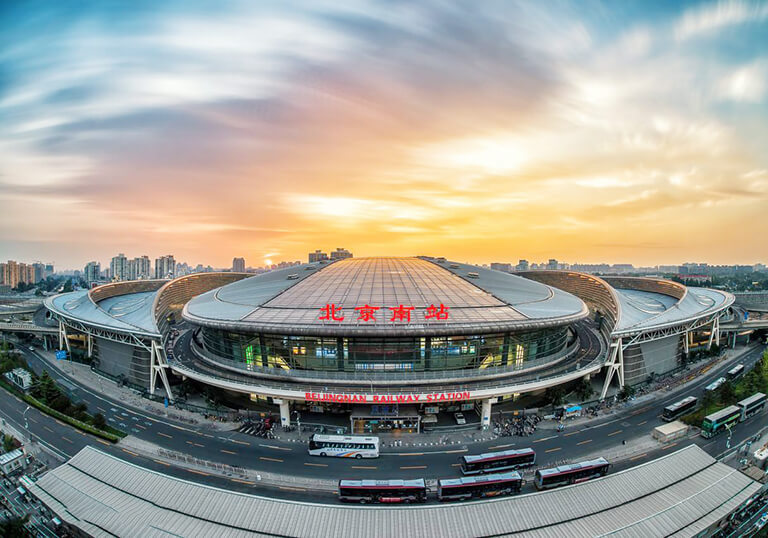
(745, 84)
(714, 16)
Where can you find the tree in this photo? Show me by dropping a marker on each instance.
(727, 393)
(45, 389)
(584, 390)
(67, 286)
(80, 411)
(9, 443)
(627, 392)
(714, 350)
(62, 404)
(15, 527)
(99, 422)
(554, 395)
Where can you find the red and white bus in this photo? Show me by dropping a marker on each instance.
(497, 461)
(571, 474)
(468, 487)
(383, 491)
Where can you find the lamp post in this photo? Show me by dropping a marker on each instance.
(26, 422)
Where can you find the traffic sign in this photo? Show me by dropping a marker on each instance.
(61, 354)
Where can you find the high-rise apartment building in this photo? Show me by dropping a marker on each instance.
(165, 267)
(139, 268)
(317, 256)
(38, 272)
(92, 272)
(118, 267)
(505, 267)
(340, 254)
(522, 265)
(238, 265)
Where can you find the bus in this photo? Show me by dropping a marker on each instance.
(489, 485)
(340, 446)
(570, 474)
(678, 409)
(750, 406)
(497, 461)
(715, 384)
(735, 372)
(717, 422)
(383, 491)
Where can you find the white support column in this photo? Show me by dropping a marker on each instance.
(485, 414)
(61, 335)
(685, 342)
(90, 345)
(65, 338)
(157, 366)
(717, 331)
(285, 411)
(615, 365)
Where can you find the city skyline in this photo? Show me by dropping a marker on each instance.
(394, 130)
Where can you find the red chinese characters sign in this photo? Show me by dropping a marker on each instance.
(387, 398)
(398, 314)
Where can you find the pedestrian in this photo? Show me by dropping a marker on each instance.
(623, 441)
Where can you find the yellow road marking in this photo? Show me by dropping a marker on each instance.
(140, 426)
(641, 423)
(164, 435)
(410, 453)
(60, 423)
(584, 442)
(195, 444)
(289, 488)
(365, 467)
(499, 446)
(270, 459)
(162, 463)
(242, 481)
(103, 442)
(545, 439)
(68, 440)
(198, 472)
(129, 452)
(569, 433)
(229, 452)
(644, 454)
(614, 433)
(240, 442)
(668, 446)
(413, 467)
(553, 450)
(457, 451)
(316, 464)
(455, 464)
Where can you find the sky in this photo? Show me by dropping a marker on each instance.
(620, 132)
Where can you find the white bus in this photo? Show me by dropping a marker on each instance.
(341, 446)
(716, 384)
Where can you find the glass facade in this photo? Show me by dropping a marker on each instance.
(426, 353)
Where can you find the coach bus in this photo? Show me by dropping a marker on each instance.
(383, 491)
(570, 474)
(489, 485)
(340, 446)
(735, 372)
(497, 461)
(712, 387)
(718, 422)
(678, 409)
(750, 406)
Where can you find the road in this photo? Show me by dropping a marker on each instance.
(241, 450)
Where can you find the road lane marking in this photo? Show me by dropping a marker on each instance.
(410, 453)
(140, 426)
(316, 464)
(101, 409)
(569, 433)
(240, 442)
(198, 472)
(553, 450)
(668, 446)
(365, 467)
(407, 467)
(229, 452)
(276, 460)
(129, 452)
(289, 488)
(164, 435)
(195, 444)
(584, 442)
(641, 423)
(501, 446)
(47, 428)
(614, 433)
(162, 463)
(460, 451)
(242, 481)
(644, 454)
(103, 442)
(277, 447)
(33, 420)
(60, 423)
(67, 440)
(545, 439)
(455, 464)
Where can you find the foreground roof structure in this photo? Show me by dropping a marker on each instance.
(679, 494)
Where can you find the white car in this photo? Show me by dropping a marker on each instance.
(459, 418)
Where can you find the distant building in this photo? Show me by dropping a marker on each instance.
(522, 265)
(317, 256)
(238, 265)
(20, 377)
(39, 272)
(11, 461)
(92, 272)
(13, 273)
(48, 270)
(552, 264)
(340, 254)
(118, 267)
(165, 267)
(505, 267)
(139, 268)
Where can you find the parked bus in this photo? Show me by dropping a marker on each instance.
(717, 422)
(383, 491)
(750, 406)
(678, 409)
(735, 372)
(715, 384)
(490, 485)
(497, 461)
(570, 474)
(344, 446)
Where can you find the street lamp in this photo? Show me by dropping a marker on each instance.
(26, 423)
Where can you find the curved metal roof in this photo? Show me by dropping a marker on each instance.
(478, 300)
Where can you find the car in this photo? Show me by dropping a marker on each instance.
(31, 348)
(459, 418)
